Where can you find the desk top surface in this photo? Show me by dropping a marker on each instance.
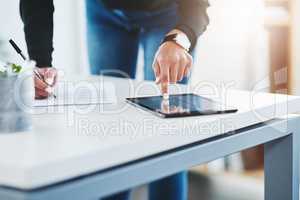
(67, 142)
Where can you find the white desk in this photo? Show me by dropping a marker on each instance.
(72, 142)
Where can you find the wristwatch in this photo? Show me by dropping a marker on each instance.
(179, 39)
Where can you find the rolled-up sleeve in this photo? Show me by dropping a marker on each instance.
(193, 18)
(37, 16)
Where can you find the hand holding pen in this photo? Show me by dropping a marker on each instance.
(44, 78)
(44, 81)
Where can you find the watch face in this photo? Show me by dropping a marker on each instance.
(183, 41)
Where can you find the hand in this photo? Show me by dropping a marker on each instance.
(171, 64)
(44, 87)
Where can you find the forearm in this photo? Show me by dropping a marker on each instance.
(193, 18)
(37, 16)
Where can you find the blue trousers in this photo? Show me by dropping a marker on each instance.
(114, 37)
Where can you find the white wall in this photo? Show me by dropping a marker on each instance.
(234, 48)
(67, 37)
(67, 42)
(10, 27)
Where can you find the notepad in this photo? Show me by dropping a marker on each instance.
(80, 93)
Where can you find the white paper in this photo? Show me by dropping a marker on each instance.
(80, 93)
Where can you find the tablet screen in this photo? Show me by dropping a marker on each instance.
(180, 105)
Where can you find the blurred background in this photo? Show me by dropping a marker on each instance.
(248, 43)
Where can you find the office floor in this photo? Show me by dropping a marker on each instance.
(223, 186)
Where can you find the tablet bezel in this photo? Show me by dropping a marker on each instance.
(133, 102)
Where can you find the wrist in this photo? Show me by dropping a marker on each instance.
(179, 32)
(179, 38)
(190, 34)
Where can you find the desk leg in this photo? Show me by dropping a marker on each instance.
(282, 169)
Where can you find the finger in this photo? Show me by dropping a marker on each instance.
(41, 93)
(187, 72)
(173, 73)
(156, 70)
(44, 92)
(164, 87)
(38, 83)
(190, 60)
(50, 75)
(55, 77)
(164, 77)
(158, 81)
(188, 65)
(41, 71)
(181, 69)
(180, 74)
(55, 80)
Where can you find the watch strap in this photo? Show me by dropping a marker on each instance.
(171, 38)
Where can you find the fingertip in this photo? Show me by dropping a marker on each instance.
(180, 78)
(157, 80)
(164, 87)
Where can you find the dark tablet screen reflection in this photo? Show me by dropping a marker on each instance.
(185, 103)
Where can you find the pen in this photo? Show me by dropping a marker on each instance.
(18, 50)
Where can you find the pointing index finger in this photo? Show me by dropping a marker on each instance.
(164, 77)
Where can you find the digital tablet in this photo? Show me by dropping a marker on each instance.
(180, 105)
